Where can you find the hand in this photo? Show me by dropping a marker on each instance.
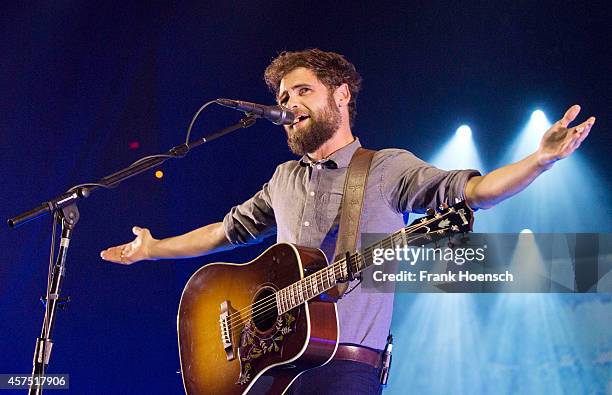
(560, 141)
(137, 250)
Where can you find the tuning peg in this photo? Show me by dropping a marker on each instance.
(430, 211)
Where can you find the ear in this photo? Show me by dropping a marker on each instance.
(342, 95)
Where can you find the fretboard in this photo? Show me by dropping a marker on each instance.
(325, 279)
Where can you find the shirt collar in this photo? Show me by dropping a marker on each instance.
(339, 159)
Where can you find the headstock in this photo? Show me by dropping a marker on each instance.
(458, 218)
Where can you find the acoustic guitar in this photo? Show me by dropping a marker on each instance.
(243, 327)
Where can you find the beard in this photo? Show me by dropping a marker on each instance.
(323, 126)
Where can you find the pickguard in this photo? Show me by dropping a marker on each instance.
(254, 345)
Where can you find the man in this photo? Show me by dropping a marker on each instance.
(301, 201)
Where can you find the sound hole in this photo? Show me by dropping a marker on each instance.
(265, 312)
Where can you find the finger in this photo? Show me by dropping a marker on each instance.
(583, 135)
(580, 133)
(583, 129)
(136, 230)
(570, 115)
(586, 124)
(112, 254)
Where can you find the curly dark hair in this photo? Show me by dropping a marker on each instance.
(331, 69)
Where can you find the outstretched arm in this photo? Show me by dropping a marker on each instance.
(557, 143)
(201, 241)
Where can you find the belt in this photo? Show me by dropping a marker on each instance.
(358, 354)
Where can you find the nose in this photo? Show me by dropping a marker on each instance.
(292, 103)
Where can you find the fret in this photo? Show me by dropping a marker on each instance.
(324, 280)
(359, 262)
(334, 277)
(395, 241)
(277, 298)
(330, 277)
(295, 294)
(403, 233)
(300, 292)
(285, 300)
(309, 286)
(362, 264)
(325, 277)
(291, 296)
(302, 296)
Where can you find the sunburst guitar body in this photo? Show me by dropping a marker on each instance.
(232, 334)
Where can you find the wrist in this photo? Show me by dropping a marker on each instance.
(152, 252)
(543, 161)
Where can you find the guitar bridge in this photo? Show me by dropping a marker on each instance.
(225, 323)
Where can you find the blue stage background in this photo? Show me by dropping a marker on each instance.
(80, 81)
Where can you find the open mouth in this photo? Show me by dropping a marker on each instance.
(299, 120)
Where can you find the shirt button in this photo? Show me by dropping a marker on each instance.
(312, 193)
(319, 167)
(306, 223)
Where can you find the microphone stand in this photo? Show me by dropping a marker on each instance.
(66, 213)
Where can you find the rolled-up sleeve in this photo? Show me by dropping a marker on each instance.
(412, 185)
(253, 220)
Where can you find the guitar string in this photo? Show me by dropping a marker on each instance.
(254, 306)
(261, 308)
(271, 310)
(268, 308)
(269, 305)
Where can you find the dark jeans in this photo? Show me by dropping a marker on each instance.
(338, 378)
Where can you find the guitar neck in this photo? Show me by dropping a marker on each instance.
(453, 220)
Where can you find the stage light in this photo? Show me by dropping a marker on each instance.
(459, 153)
(526, 231)
(464, 131)
(539, 119)
(529, 138)
(159, 174)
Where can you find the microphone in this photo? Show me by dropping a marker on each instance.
(276, 114)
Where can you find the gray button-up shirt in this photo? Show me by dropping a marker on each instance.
(301, 203)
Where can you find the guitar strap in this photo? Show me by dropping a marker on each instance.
(352, 204)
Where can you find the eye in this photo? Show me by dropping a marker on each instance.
(303, 91)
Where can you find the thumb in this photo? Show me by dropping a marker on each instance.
(136, 230)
